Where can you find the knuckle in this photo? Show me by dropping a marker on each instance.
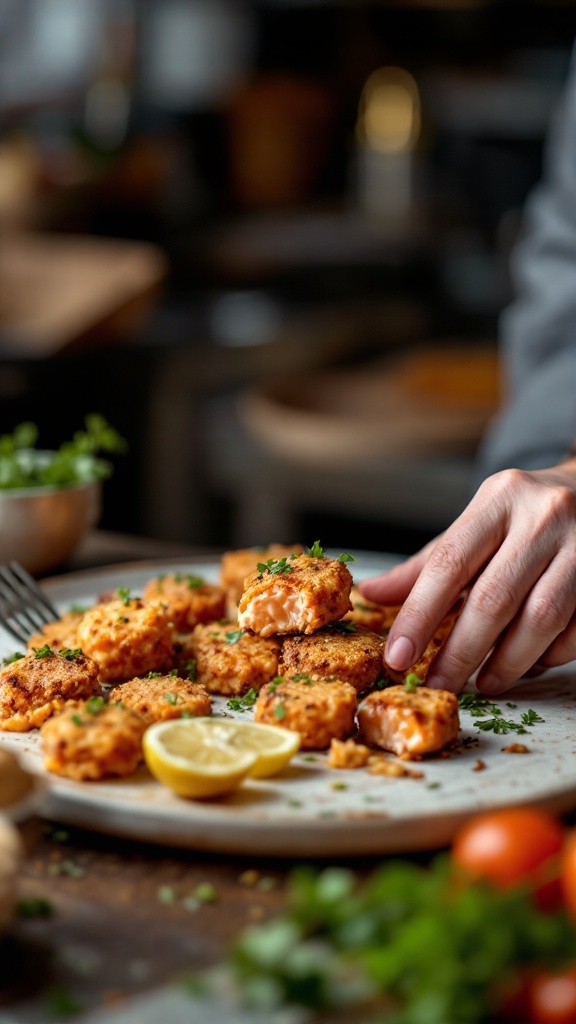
(494, 598)
(448, 559)
(549, 615)
(503, 483)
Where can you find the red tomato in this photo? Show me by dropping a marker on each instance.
(519, 845)
(568, 872)
(552, 998)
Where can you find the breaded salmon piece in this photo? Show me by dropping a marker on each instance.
(377, 617)
(62, 632)
(39, 684)
(162, 697)
(230, 661)
(406, 722)
(188, 598)
(236, 566)
(423, 666)
(344, 651)
(127, 638)
(90, 740)
(295, 595)
(319, 709)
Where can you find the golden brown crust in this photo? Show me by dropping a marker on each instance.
(409, 723)
(189, 599)
(162, 698)
(316, 708)
(62, 632)
(33, 688)
(88, 745)
(230, 661)
(355, 657)
(127, 638)
(236, 566)
(306, 595)
(376, 617)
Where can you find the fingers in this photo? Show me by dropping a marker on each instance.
(542, 634)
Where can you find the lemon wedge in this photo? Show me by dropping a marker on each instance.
(205, 757)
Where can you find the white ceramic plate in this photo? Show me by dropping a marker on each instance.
(310, 809)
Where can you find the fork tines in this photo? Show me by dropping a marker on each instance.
(24, 607)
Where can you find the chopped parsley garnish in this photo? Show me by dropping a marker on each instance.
(190, 669)
(500, 726)
(43, 652)
(243, 703)
(412, 682)
(346, 557)
(382, 684)
(302, 677)
(78, 609)
(77, 720)
(124, 595)
(71, 653)
(344, 626)
(275, 683)
(12, 658)
(316, 551)
(173, 672)
(530, 717)
(172, 698)
(233, 636)
(479, 706)
(280, 711)
(193, 581)
(94, 705)
(275, 566)
(153, 675)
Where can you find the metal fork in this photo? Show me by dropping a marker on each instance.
(24, 607)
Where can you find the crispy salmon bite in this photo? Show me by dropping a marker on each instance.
(409, 723)
(163, 697)
(188, 598)
(91, 740)
(319, 709)
(343, 650)
(297, 594)
(236, 566)
(377, 617)
(231, 662)
(38, 684)
(127, 638)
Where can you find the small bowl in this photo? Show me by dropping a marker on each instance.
(41, 526)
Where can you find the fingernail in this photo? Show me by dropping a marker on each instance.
(401, 653)
(490, 684)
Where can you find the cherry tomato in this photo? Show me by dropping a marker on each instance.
(512, 846)
(552, 998)
(568, 872)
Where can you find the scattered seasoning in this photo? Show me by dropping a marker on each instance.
(165, 894)
(34, 906)
(77, 720)
(190, 669)
(243, 703)
(433, 785)
(530, 717)
(152, 675)
(479, 765)
(280, 711)
(510, 705)
(94, 705)
(346, 557)
(124, 595)
(123, 618)
(173, 673)
(273, 685)
(301, 677)
(308, 757)
(339, 785)
(172, 698)
(316, 551)
(499, 725)
(516, 748)
(233, 636)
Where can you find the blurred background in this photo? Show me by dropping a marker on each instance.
(269, 241)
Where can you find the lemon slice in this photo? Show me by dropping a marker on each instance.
(204, 757)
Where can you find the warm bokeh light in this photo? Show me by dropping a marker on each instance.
(389, 111)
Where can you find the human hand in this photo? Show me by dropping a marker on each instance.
(513, 550)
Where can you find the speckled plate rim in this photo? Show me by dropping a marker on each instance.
(344, 813)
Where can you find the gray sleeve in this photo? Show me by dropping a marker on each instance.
(537, 425)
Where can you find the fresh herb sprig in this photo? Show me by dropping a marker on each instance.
(274, 566)
(479, 706)
(74, 462)
(245, 702)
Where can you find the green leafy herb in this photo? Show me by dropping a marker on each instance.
(153, 675)
(78, 720)
(78, 609)
(344, 626)
(194, 582)
(530, 717)
(17, 656)
(172, 698)
(275, 566)
(173, 672)
(477, 705)
(190, 669)
(279, 711)
(124, 595)
(43, 652)
(243, 703)
(302, 677)
(316, 551)
(412, 682)
(71, 653)
(346, 557)
(233, 636)
(74, 462)
(275, 683)
(500, 726)
(94, 705)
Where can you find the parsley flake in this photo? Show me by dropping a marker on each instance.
(346, 557)
(172, 698)
(280, 712)
(233, 636)
(12, 658)
(316, 551)
(43, 652)
(344, 626)
(275, 566)
(153, 675)
(124, 596)
(530, 717)
(71, 653)
(412, 682)
(94, 705)
(248, 700)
